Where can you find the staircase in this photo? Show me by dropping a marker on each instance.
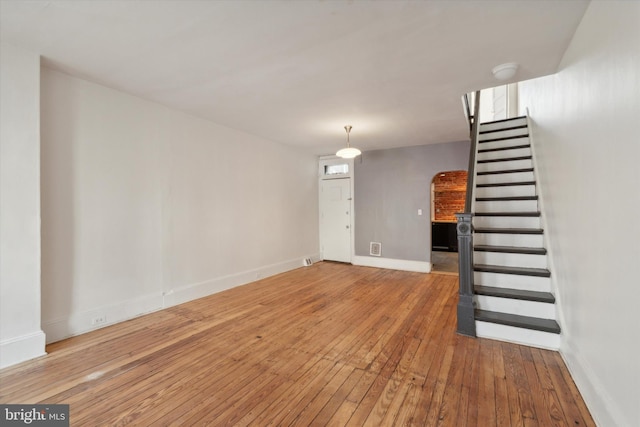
(511, 280)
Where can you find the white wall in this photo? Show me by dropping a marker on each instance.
(588, 148)
(20, 335)
(145, 207)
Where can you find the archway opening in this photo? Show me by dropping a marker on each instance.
(448, 192)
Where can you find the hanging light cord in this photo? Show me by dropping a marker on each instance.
(348, 152)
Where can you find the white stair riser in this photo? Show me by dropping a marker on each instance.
(501, 125)
(503, 134)
(506, 206)
(518, 335)
(541, 310)
(509, 259)
(503, 143)
(506, 191)
(505, 177)
(516, 152)
(520, 121)
(506, 222)
(513, 281)
(499, 166)
(519, 240)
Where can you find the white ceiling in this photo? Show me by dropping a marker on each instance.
(296, 72)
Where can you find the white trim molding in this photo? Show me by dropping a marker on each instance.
(82, 322)
(19, 349)
(79, 323)
(603, 408)
(198, 290)
(393, 264)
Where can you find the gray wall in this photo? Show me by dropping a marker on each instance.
(390, 187)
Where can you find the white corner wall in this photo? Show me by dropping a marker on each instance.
(145, 207)
(20, 335)
(585, 127)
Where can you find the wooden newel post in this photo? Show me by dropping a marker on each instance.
(466, 305)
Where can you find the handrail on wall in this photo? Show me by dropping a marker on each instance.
(464, 228)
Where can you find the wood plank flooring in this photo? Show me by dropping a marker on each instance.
(327, 345)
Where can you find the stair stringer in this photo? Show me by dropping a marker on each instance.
(546, 237)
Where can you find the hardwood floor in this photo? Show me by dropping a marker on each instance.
(330, 344)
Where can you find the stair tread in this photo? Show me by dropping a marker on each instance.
(505, 159)
(509, 230)
(518, 294)
(527, 322)
(503, 120)
(505, 198)
(504, 138)
(523, 271)
(511, 249)
(506, 171)
(519, 214)
(513, 147)
(482, 132)
(506, 184)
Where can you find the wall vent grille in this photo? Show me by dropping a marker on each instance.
(375, 248)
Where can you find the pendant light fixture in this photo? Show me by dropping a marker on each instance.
(349, 152)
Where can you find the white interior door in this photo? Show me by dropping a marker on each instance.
(335, 219)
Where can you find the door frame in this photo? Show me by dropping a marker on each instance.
(329, 161)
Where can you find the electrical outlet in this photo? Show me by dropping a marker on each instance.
(98, 320)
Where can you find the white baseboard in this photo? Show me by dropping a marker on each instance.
(392, 264)
(198, 290)
(603, 408)
(22, 348)
(81, 322)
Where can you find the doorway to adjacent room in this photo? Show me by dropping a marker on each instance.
(448, 191)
